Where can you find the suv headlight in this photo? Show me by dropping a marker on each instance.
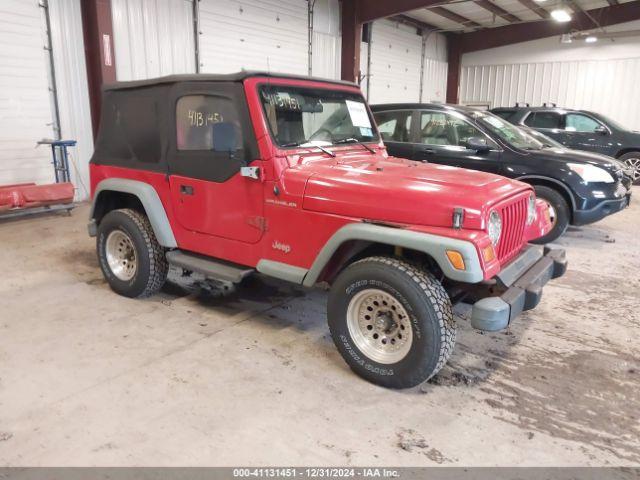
(531, 209)
(590, 173)
(494, 227)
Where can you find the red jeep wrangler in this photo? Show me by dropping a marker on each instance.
(227, 175)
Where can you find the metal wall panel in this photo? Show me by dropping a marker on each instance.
(153, 38)
(254, 35)
(326, 40)
(25, 108)
(71, 88)
(605, 86)
(434, 80)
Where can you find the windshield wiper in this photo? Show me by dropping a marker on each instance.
(354, 140)
(298, 144)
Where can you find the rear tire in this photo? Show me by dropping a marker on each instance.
(131, 259)
(632, 160)
(560, 213)
(391, 322)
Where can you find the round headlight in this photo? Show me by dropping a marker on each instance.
(494, 227)
(531, 209)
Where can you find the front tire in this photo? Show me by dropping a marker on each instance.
(391, 322)
(632, 160)
(131, 259)
(558, 210)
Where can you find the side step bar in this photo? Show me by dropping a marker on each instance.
(215, 269)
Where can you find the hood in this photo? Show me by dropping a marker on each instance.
(395, 190)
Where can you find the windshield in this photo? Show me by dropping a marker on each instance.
(311, 117)
(508, 132)
(542, 138)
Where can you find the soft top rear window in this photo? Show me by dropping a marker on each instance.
(300, 116)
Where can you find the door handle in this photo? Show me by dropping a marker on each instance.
(186, 189)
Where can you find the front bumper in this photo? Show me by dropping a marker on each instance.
(523, 280)
(603, 209)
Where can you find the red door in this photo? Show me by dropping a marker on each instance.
(209, 194)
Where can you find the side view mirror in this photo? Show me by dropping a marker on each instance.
(478, 144)
(601, 130)
(224, 137)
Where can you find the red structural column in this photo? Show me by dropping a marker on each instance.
(454, 56)
(351, 38)
(97, 28)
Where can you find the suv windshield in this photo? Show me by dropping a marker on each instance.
(316, 117)
(508, 132)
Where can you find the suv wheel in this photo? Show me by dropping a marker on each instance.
(558, 211)
(130, 257)
(632, 160)
(391, 321)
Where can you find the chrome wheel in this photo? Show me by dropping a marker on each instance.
(553, 216)
(121, 255)
(379, 326)
(634, 165)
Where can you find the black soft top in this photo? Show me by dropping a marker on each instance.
(210, 77)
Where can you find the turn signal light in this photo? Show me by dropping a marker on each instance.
(488, 253)
(456, 259)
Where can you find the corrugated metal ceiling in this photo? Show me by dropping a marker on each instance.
(474, 12)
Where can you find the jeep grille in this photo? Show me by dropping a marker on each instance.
(514, 218)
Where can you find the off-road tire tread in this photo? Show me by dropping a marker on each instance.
(436, 295)
(158, 265)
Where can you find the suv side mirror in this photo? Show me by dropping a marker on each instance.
(601, 129)
(478, 144)
(224, 137)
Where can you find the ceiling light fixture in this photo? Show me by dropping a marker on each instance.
(560, 15)
(591, 39)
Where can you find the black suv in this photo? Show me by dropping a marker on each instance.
(580, 130)
(579, 187)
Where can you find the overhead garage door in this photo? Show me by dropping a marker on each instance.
(396, 52)
(254, 35)
(25, 101)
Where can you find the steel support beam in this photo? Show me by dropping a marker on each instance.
(454, 17)
(497, 10)
(97, 29)
(370, 10)
(537, 9)
(454, 57)
(510, 34)
(351, 39)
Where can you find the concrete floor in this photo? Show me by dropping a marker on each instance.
(91, 378)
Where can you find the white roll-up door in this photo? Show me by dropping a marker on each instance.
(153, 38)
(255, 35)
(396, 52)
(25, 101)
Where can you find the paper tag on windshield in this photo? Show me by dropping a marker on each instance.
(358, 114)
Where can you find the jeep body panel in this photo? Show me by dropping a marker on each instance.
(265, 223)
(150, 200)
